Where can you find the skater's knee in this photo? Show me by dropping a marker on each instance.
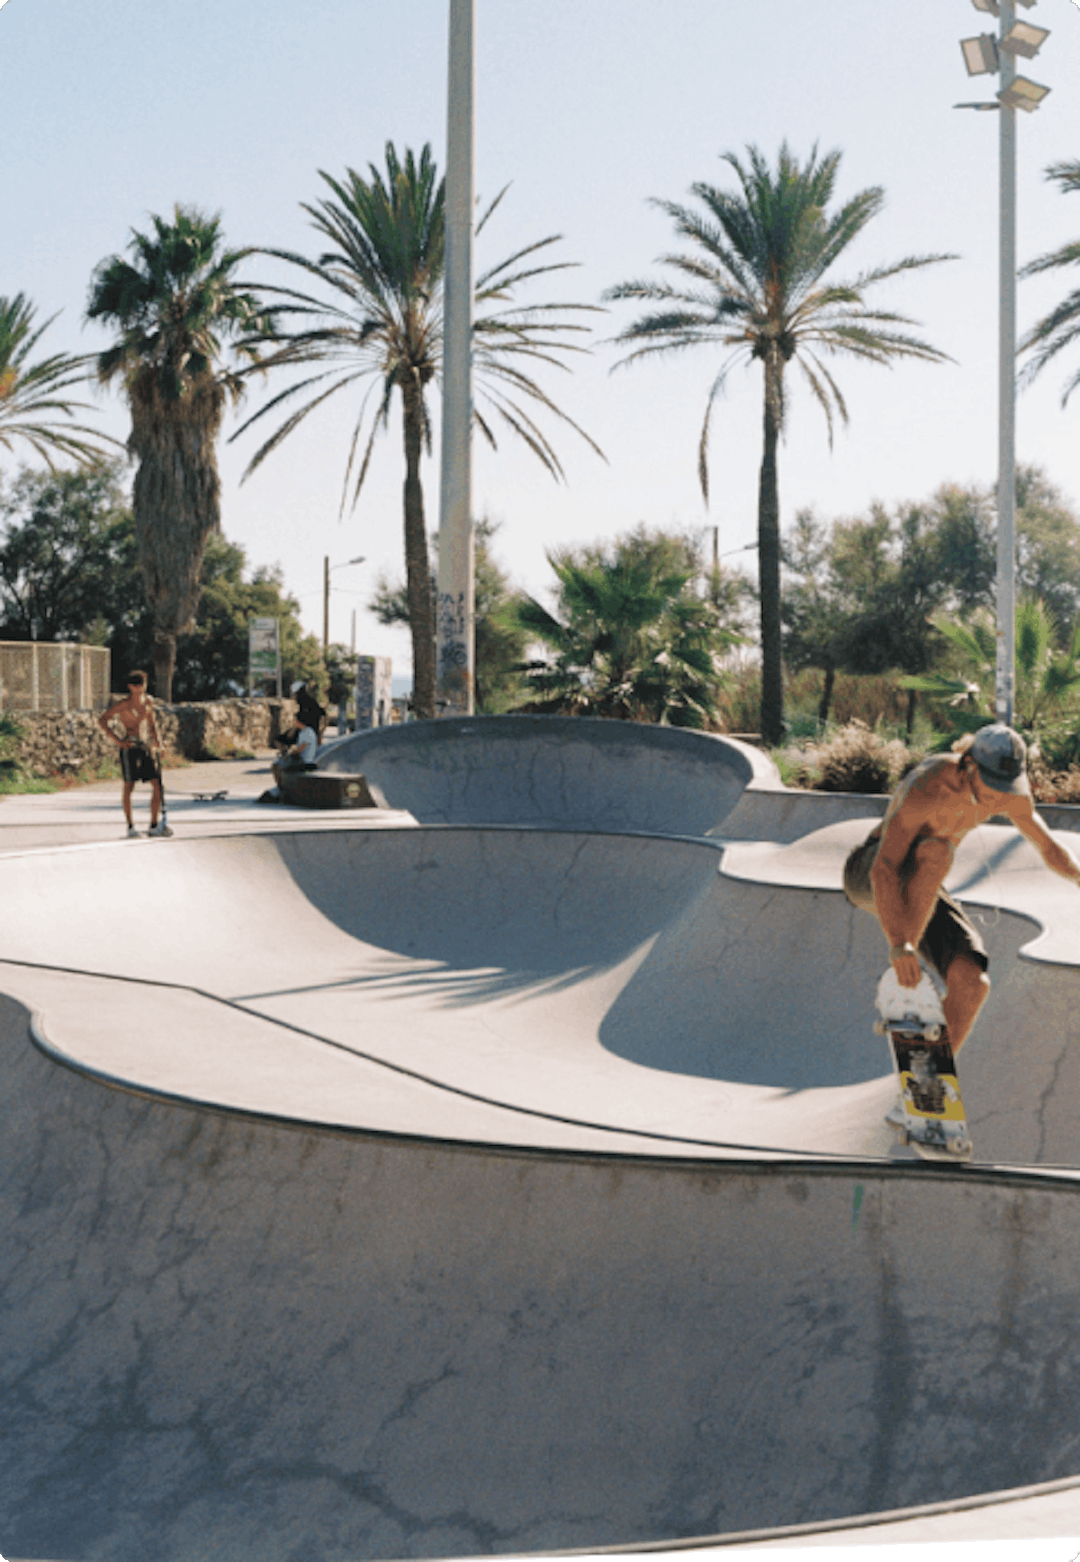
(967, 978)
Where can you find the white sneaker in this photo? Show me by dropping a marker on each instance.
(895, 1116)
(132, 833)
(161, 828)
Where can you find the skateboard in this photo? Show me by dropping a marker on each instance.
(209, 797)
(912, 1018)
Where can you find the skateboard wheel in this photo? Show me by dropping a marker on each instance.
(932, 1033)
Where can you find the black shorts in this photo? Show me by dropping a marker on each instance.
(138, 764)
(948, 933)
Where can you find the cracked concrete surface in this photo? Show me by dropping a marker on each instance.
(422, 1191)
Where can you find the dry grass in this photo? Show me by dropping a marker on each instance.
(1051, 785)
(855, 759)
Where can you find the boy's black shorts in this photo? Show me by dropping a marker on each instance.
(138, 764)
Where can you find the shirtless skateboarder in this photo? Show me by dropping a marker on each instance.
(140, 748)
(898, 872)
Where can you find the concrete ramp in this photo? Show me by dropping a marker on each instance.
(629, 985)
(221, 1336)
(473, 1190)
(560, 772)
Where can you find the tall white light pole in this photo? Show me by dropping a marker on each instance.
(455, 615)
(1006, 487)
(987, 55)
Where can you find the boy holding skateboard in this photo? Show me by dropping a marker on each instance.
(140, 748)
(898, 872)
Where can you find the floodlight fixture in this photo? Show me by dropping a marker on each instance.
(981, 55)
(1023, 93)
(1025, 38)
(987, 5)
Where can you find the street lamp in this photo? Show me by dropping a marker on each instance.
(987, 55)
(327, 567)
(455, 610)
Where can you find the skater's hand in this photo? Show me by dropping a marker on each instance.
(905, 962)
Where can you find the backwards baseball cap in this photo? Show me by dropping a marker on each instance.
(1001, 756)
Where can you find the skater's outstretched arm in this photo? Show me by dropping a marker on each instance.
(1057, 858)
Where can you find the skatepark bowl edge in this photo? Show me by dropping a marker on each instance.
(512, 1177)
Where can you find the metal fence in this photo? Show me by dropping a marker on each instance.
(42, 675)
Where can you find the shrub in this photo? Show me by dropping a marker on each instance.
(854, 759)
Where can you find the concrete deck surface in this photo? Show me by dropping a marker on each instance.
(381, 1188)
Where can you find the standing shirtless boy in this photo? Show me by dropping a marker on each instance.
(898, 872)
(140, 748)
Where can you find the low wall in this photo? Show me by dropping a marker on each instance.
(63, 742)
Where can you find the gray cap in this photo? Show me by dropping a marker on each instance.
(1001, 756)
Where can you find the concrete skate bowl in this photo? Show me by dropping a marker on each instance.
(559, 772)
(430, 1193)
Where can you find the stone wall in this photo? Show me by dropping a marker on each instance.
(62, 742)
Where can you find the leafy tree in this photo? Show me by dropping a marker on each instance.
(383, 273)
(816, 615)
(32, 395)
(212, 661)
(500, 639)
(179, 311)
(1047, 545)
(632, 638)
(64, 553)
(1061, 327)
(756, 282)
(891, 627)
(69, 570)
(963, 520)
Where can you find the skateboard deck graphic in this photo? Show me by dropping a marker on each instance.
(934, 1121)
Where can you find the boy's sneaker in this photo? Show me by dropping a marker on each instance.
(132, 833)
(896, 1117)
(161, 828)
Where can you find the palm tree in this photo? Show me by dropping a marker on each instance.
(178, 308)
(383, 318)
(755, 283)
(1047, 668)
(31, 394)
(1061, 327)
(634, 641)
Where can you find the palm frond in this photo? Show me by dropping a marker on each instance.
(34, 407)
(384, 271)
(753, 281)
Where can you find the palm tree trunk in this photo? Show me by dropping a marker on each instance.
(772, 687)
(417, 567)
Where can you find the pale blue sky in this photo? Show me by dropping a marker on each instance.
(119, 109)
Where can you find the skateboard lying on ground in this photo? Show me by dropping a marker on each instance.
(933, 1120)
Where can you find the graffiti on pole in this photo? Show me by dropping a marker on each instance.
(453, 647)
